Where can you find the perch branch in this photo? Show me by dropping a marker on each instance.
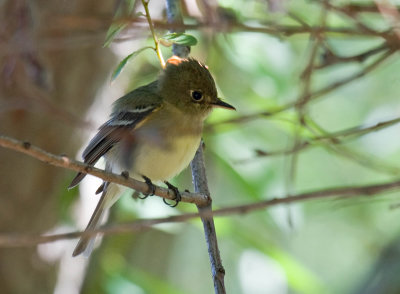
(65, 162)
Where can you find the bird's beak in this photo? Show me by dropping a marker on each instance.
(222, 104)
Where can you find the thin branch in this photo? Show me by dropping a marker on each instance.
(274, 30)
(330, 58)
(174, 16)
(205, 211)
(316, 41)
(334, 146)
(353, 132)
(199, 175)
(312, 96)
(263, 153)
(343, 192)
(65, 162)
(361, 8)
(359, 130)
(354, 17)
(156, 42)
(87, 37)
(96, 24)
(20, 240)
(362, 159)
(340, 83)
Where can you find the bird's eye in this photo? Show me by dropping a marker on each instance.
(197, 95)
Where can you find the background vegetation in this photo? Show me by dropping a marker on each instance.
(316, 87)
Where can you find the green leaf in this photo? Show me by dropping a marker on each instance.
(180, 38)
(112, 32)
(124, 61)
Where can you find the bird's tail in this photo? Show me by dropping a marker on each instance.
(110, 194)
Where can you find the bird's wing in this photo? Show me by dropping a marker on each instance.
(118, 127)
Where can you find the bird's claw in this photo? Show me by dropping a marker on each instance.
(178, 196)
(150, 185)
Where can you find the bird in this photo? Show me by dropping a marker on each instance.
(153, 133)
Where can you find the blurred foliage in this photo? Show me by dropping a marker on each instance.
(320, 246)
(324, 246)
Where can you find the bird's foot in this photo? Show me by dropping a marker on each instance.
(152, 188)
(178, 196)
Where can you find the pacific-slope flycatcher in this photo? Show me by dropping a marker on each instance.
(153, 132)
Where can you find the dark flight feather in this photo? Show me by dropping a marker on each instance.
(113, 131)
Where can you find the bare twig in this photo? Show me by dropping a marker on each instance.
(96, 24)
(330, 58)
(201, 186)
(334, 145)
(65, 162)
(274, 30)
(353, 132)
(316, 41)
(361, 8)
(360, 130)
(311, 96)
(52, 37)
(354, 17)
(340, 83)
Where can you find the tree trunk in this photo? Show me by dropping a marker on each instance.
(51, 65)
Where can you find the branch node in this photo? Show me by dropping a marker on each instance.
(125, 174)
(65, 158)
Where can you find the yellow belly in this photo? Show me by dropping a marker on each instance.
(162, 164)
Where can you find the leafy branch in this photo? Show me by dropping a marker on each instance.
(166, 40)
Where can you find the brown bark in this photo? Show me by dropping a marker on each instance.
(51, 65)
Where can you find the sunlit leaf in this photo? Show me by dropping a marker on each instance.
(179, 38)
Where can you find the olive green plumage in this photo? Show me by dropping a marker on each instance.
(153, 131)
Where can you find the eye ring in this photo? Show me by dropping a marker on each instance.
(196, 95)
